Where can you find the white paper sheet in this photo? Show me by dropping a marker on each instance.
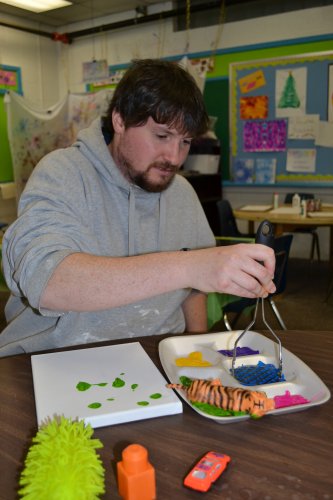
(325, 134)
(301, 160)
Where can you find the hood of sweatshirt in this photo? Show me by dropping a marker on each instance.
(92, 144)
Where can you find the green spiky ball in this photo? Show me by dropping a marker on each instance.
(62, 463)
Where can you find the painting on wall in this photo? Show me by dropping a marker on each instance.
(10, 79)
(254, 108)
(266, 135)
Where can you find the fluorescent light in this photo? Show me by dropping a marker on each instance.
(37, 5)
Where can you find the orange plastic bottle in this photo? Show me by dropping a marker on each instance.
(136, 476)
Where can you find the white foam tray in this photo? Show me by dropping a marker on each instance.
(300, 379)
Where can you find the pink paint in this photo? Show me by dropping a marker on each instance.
(288, 399)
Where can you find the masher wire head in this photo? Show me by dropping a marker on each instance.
(248, 328)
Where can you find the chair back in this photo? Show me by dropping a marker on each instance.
(228, 225)
(303, 196)
(282, 246)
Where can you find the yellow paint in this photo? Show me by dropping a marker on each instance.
(193, 359)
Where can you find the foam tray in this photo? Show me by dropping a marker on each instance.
(299, 378)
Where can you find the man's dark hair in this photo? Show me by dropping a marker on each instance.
(163, 91)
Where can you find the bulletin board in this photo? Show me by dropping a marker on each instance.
(281, 119)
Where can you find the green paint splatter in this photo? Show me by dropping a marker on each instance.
(110, 399)
(84, 386)
(185, 381)
(118, 382)
(157, 395)
(143, 403)
(94, 406)
(215, 411)
(122, 373)
(134, 386)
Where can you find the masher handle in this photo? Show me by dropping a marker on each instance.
(265, 234)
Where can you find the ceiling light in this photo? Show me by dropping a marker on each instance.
(37, 5)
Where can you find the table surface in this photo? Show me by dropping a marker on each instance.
(277, 457)
(283, 218)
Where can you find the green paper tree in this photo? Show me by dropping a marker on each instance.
(289, 97)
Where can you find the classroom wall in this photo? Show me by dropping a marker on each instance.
(51, 69)
(158, 39)
(38, 59)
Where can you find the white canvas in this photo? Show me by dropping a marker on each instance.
(142, 392)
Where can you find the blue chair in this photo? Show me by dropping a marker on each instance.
(228, 224)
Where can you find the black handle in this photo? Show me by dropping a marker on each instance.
(265, 234)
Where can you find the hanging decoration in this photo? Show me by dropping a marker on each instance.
(33, 132)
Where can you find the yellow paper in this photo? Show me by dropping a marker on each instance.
(252, 81)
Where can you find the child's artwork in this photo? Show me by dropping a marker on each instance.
(243, 170)
(252, 81)
(265, 170)
(254, 108)
(267, 135)
(290, 87)
(101, 385)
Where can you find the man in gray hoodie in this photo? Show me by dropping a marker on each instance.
(96, 252)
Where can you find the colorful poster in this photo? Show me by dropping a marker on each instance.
(254, 108)
(10, 79)
(95, 70)
(268, 135)
(252, 81)
(290, 92)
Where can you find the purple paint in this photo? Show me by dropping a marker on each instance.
(240, 351)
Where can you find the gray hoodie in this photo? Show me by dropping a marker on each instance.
(77, 200)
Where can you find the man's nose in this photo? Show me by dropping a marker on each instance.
(173, 153)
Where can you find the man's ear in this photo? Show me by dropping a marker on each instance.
(117, 122)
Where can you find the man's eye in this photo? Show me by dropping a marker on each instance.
(162, 136)
(187, 142)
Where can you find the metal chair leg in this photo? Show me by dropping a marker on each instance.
(315, 246)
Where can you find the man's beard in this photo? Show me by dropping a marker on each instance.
(142, 180)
